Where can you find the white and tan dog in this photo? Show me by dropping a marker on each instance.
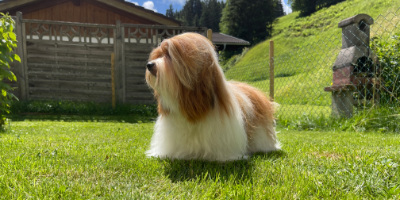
(201, 115)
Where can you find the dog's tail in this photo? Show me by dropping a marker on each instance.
(275, 106)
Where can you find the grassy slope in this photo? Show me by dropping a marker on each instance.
(305, 50)
(96, 160)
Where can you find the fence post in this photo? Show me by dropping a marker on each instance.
(119, 69)
(209, 34)
(271, 70)
(22, 78)
(113, 102)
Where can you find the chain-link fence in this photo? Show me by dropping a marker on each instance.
(338, 75)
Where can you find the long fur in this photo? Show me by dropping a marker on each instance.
(201, 114)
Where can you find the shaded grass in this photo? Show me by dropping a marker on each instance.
(81, 111)
(92, 160)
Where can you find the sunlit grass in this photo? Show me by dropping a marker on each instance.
(103, 160)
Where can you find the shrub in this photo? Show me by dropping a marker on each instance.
(388, 54)
(52, 107)
(8, 42)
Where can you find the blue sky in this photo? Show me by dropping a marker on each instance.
(161, 6)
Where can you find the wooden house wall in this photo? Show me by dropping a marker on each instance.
(86, 11)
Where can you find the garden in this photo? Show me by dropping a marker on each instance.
(76, 150)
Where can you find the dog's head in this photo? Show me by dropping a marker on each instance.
(186, 77)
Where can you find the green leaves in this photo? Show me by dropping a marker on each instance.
(387, 51)
(250, 20)
(8, 42)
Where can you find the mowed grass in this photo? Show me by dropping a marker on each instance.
(106, 160)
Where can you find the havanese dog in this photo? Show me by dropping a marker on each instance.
(201, 114)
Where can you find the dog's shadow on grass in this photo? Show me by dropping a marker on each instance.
(237, 171)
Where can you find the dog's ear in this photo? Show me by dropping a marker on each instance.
(209, 93)
(203, 84)
(180, 53)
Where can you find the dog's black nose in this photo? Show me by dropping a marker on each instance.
(150, 65)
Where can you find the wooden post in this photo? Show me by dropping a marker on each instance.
(113, 101)
(22, 77)
(271, 70)
(120, 84)
(209, 34)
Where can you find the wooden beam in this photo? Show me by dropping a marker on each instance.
(209, 35)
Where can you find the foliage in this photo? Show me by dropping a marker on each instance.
(388, 53)
(102, 160)
(170, 11)
(229, 61)
(250, 20)
(8, 42)
(81, 108)
(199, 13)
(211, 14)
(381, 119)
(307, 7)
(192, 12)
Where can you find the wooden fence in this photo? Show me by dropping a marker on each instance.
(72, 61)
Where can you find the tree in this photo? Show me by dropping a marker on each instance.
(249, 20)
(307, 7)
(211, 14)
(170, 11)
(279, 12)
(191, 12)
(200, 13)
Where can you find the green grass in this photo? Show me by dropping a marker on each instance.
(99, 159)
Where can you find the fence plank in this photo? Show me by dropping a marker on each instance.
(113, 100)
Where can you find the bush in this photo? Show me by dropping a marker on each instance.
(8, 42)
(80, 108)
(388, 54)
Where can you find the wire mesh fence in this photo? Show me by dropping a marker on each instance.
(339, 75)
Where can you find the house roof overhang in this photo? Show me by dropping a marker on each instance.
(224, 39)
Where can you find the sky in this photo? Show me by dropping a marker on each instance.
(161, 6)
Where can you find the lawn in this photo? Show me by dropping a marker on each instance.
(102, 159)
